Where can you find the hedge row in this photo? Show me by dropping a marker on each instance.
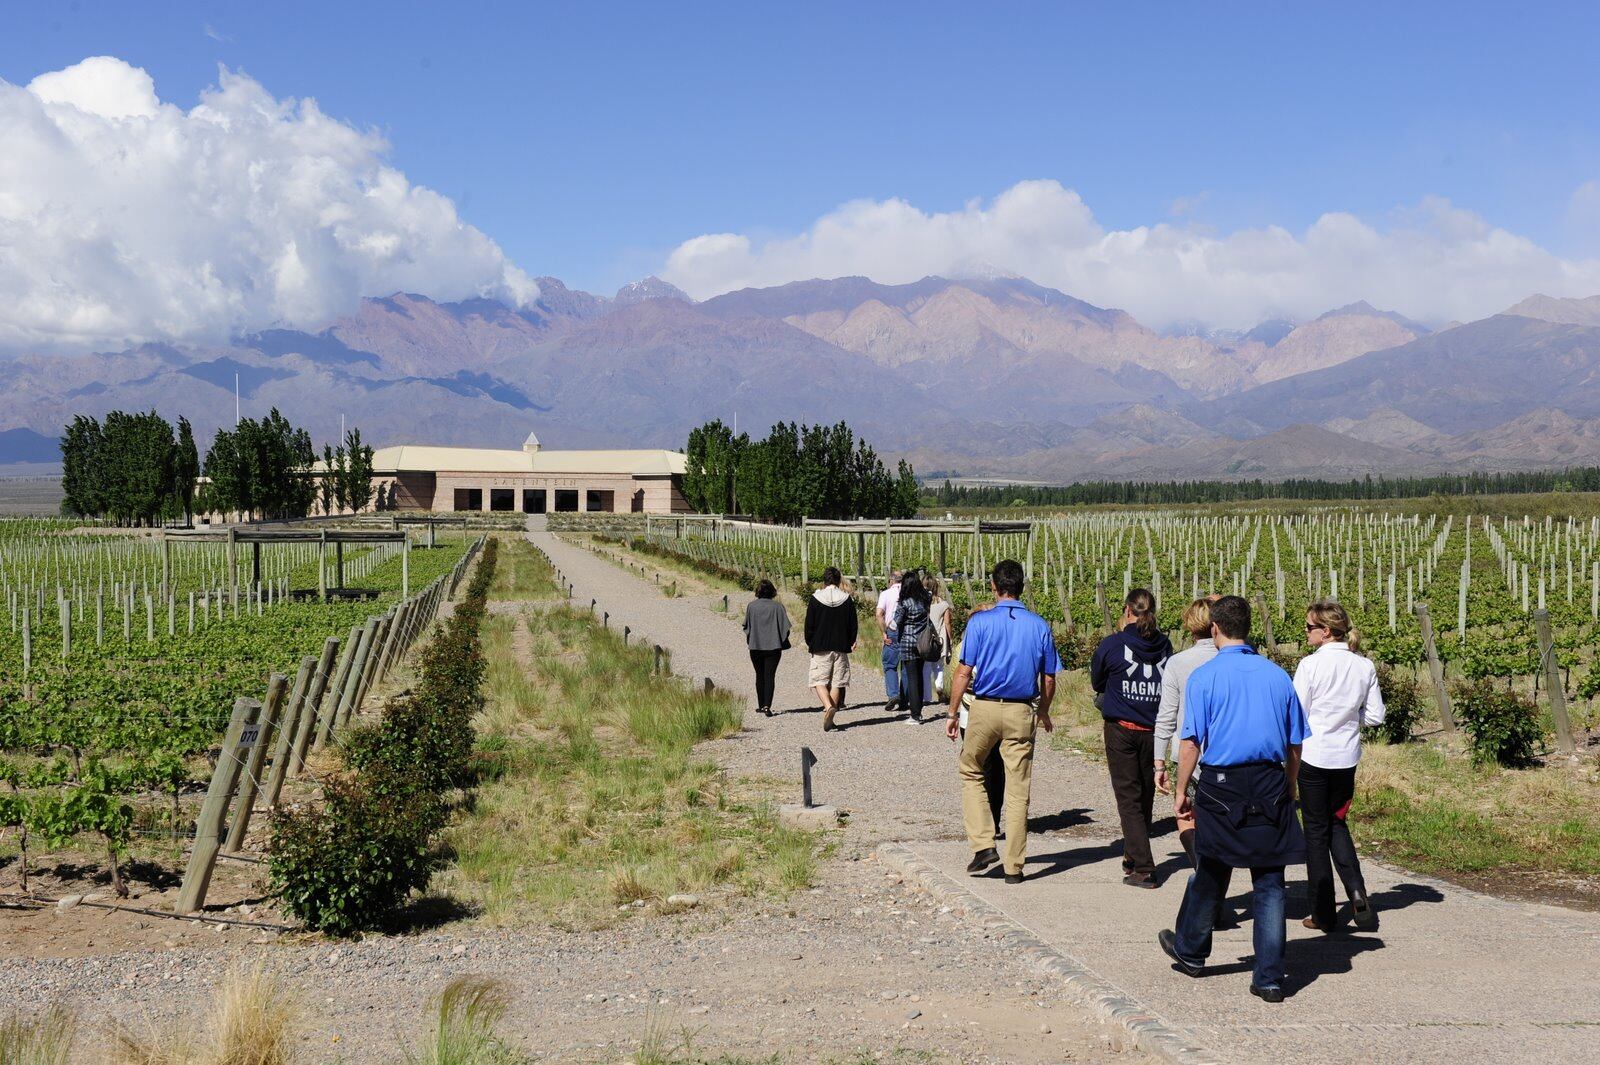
(344, 867)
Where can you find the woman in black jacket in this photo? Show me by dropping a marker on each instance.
(831, 631)
(1126, 673)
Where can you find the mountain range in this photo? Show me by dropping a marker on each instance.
(988, 378)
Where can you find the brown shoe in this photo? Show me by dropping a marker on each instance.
(1314, 924)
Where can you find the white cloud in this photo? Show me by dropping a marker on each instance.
(1434, 261)
(125, 219)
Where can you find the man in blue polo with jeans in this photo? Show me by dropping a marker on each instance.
(1242, 730)
(1008, 658)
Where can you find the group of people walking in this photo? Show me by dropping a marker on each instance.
(1265, 764)
(913, 615)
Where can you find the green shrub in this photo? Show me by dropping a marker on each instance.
(1402, 703)
(1502, 726)
(1075, 647)
(344, 866)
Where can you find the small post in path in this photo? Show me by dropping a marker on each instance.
(807, 760)
(1552, 681)
(208, 826)
(1435, 670)
(658, 669)
(709, 686)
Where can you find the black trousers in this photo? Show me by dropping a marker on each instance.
(1325, 796)
(766, 663)
(994, 783)
(911, 693)
(1130, 755)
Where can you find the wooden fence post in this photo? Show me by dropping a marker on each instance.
(1552, 681)
(208, 826)
(289, 727)
(1266, 622)
(350, 698)
(1435, 670)
(249, 785)
(318, 725)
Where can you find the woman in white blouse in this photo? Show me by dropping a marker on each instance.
(1339, 690)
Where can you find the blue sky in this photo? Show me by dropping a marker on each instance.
(590, 140)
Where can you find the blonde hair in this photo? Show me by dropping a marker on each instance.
(1197, 618)
(1336, 619)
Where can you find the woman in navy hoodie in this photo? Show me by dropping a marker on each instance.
(1126, 675)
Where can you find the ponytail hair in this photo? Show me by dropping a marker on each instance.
(1332, 615)
(1142, 605)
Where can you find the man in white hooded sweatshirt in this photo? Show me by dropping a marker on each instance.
(831, 631)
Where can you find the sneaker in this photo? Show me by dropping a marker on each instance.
(982, 860)
(1365, 916)
(1169, 946)
(1267, 994)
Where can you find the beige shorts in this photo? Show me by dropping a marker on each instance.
(831, 669)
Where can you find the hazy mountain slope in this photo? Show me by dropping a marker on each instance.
(1585, 311)
(1474, 376)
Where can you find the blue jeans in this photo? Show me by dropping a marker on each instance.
(1208, 885)
(891, 667)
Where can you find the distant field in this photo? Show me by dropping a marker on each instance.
(29, 495)
(1512, 505)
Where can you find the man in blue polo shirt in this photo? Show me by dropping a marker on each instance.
(1008, 658)
(1242, 726)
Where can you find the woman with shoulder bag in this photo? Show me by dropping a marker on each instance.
(914, 625)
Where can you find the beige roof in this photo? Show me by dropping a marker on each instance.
(654, 462)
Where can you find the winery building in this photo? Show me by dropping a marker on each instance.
(531, 480)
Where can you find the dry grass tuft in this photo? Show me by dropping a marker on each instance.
(254, 1021)
(467, 1013)
(38, 1039)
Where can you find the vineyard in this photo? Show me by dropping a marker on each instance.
(122, 658)
(1476, 585)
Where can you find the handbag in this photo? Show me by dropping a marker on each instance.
(927, 645)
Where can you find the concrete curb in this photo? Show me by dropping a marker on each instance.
(1150, 1033)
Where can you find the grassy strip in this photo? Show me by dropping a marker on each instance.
(1427, 807)
(593, 798)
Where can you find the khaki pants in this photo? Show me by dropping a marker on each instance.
(1008, 726)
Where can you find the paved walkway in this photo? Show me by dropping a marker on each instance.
(1450, 974)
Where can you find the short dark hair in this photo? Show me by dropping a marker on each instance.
(831, 575)
(1231, 615)
(765, 590)
(1007, 577)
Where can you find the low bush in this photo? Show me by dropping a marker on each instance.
(1503, 727)
(1402, 703)
(344, 866)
